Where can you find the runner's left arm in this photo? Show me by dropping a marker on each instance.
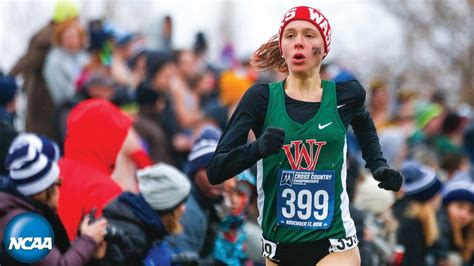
(366, 134)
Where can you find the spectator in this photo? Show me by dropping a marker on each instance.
(148, 124)
(137, 65)
(161, 71)
(40, 195)
(96, 132)
(186, 103)
(8, 91)
(379, 104)
(451, 138)
(232, 86)
(418, 229)
(121, 53)
(144, 220)
(100, 52)
(456, 223)
(200, 218)
(231, 240)
(428, 122)
(65, 61)
(7, 135)
(40, 107)
(162, 36)
(96, 85)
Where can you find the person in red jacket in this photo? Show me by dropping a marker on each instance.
(96, 132)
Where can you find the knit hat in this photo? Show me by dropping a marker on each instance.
(163, 186)
(42, 144)
(203, 149)
(425, 112)
(30, 170)
(311, 15)
(8, 89)
(458, 189)
(420, 182)
(64, 10)
(232, 87)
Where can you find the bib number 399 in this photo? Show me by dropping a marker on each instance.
(305, 199)
(302, 204)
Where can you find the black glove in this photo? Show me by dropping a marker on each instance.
(390, 179)
(270, 141)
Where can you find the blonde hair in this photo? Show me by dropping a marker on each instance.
(171, 221)
(269, 57)
(426, 214)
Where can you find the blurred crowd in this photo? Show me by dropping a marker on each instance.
(118, 134)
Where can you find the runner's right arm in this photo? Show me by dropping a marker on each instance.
(233, 154)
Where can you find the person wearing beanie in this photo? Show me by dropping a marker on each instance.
(65, 61)
(144, 219)
(99, 141)
(301, 124)
(200, 219)
(40, 108)
(33, 186)
(456, 223)
(418, 226)
(8, 92)
(231, 244)
(43, 144)
(428, 123)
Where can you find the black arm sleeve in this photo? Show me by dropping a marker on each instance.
(366, 134)
(233, 155)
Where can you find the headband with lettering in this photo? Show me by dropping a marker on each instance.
(311, 15)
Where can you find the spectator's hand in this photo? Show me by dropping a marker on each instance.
(271, 141)
(101, 250)
(390, 179)
(96, 230)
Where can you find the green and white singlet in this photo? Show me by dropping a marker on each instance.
(302, 190)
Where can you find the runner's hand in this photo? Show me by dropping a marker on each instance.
(390, 179)
(271, 141)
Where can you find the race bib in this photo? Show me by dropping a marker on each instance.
(306, 198)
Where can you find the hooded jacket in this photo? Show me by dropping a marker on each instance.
(96, 130)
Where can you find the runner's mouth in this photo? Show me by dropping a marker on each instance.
(299, 56)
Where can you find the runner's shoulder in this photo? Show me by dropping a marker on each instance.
(350, 91)
(257, 94)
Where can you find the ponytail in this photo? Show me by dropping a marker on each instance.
(268, 57)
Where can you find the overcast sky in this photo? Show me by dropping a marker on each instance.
(362, 29)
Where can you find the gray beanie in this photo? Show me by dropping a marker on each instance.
(163, 186)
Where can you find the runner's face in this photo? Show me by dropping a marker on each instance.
(302, 46)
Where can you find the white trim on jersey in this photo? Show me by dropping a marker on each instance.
(347, 221)
(260, 191)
